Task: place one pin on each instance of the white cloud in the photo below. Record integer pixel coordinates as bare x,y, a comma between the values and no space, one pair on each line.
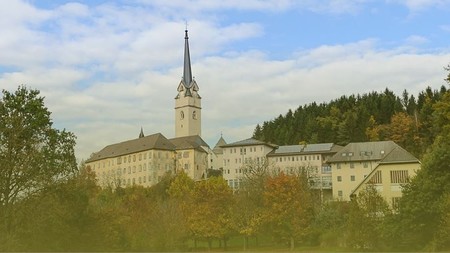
417,5
105,72
416,40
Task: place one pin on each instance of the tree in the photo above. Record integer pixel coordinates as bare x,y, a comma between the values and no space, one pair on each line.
421,210
248,210
331,221
403,130
365,222
209,216
33,154
289,208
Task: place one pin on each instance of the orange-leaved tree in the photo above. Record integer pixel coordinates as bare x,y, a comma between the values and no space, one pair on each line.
289,207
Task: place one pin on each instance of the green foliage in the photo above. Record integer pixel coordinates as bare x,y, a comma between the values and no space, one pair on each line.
330,222
210,210
33,155
365,222
369,117
421,209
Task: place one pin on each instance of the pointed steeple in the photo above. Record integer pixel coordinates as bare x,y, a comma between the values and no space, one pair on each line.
141,134
187,73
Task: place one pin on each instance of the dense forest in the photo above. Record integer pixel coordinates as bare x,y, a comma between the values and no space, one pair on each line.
375,116
49,203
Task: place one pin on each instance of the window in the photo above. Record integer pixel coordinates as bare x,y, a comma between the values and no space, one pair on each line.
129,170
339,178
145,166
340,193
365,164
134,169
140,168
129,158
338,166
399,176
352,178
145,156
376,178
119,160
140,157
352,165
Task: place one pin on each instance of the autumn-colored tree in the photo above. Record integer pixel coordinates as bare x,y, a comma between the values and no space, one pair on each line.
288,207
403,130
210,210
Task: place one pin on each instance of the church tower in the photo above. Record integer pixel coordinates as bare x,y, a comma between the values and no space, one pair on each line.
188,102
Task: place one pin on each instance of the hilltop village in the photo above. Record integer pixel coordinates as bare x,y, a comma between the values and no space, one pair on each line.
337,172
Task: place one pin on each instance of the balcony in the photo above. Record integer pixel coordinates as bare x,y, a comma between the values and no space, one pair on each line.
320,184
326,169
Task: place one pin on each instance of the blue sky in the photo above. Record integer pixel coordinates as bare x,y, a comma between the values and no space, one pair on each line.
107,68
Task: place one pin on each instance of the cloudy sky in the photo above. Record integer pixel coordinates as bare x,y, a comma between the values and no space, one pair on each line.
107,68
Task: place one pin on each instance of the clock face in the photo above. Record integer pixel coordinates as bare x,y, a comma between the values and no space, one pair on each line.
181,115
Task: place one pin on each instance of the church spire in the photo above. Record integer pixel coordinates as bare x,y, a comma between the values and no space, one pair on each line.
187,73
141,134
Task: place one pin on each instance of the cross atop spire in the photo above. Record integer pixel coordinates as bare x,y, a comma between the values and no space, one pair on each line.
187,72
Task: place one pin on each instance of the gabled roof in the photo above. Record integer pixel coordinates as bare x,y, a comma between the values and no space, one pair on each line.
364,151
189,142
217,149
248,142
399,155
154,141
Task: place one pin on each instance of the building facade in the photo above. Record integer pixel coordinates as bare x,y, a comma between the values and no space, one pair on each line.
143,161
240,156
311,159
338,172
360,164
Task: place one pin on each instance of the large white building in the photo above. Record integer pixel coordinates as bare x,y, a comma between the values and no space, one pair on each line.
338,172
238,156
144,160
